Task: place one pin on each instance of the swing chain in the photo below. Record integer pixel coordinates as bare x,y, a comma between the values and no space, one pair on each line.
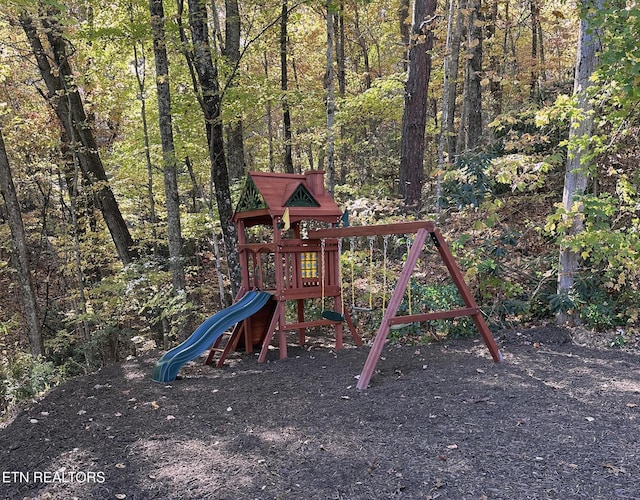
352,241
385,245
340,275
408,240
370,272
322,265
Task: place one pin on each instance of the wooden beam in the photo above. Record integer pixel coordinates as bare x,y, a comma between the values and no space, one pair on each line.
417,318
376,230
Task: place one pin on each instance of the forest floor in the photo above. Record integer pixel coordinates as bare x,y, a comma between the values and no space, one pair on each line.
558,419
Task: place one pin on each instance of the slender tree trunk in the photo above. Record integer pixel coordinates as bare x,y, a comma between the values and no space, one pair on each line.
415,103
331,105
473,106
495,72
342,85
66,101
446,103
211,107
454,68
536,28
81,305
284,85
235,129
140,70
576,174
269,117
19,238
364,47
170,162
405,29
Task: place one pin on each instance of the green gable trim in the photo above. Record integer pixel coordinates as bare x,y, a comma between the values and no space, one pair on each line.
301,197
251,199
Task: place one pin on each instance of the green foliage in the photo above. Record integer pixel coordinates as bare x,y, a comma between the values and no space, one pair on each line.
519,172
24,378
607,292
619,71
468,183
434,297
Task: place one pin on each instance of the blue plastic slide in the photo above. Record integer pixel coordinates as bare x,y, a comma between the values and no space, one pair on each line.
206,334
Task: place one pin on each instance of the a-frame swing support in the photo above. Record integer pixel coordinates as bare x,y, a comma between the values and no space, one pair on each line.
422,230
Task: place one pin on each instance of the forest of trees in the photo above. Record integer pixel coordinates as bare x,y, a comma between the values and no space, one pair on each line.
126,128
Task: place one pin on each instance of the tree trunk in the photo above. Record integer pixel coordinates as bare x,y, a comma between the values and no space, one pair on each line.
66,101
576,174
473,105
286,113
170,162
364,47
415,103
495,64
331,105
443,153
342,86
211,107
405,29
268,117
536,33
235,129
19,238
454,68
140,70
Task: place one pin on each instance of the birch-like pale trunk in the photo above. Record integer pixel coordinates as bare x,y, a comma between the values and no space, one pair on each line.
576,173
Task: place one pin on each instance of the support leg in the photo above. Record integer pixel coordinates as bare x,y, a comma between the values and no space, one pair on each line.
466,295
275,321
392,309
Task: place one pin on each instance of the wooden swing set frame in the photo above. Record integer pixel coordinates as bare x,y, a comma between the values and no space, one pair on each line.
422,230
308,267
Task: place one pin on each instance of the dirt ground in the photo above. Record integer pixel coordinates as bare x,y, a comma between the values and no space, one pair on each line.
557,419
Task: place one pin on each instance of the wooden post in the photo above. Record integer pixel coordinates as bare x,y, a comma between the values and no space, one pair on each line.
392,309
466,295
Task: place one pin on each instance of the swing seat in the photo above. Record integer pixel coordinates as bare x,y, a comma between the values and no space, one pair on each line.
332,315
400,326
362,309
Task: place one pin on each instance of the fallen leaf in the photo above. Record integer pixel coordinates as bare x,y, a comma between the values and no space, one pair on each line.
154,405
613,469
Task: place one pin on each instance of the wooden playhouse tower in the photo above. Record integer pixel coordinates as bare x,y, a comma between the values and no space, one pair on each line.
273,216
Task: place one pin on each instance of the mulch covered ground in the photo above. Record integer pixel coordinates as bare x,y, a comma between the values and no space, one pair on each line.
555,420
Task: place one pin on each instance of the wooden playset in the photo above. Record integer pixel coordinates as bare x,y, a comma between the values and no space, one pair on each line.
289,245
